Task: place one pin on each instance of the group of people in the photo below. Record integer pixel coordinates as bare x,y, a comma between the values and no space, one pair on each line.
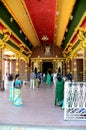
16,93
59,81
35,79
59,90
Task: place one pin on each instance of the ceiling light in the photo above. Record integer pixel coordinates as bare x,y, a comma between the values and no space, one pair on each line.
25,38
11,19
66,29
20,31
45,38
57,13
71,17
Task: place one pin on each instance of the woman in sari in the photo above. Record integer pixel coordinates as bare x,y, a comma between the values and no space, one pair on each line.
17,91
59,91
48,79
66,84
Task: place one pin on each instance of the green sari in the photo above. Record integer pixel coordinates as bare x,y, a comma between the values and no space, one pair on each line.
48,80
59,92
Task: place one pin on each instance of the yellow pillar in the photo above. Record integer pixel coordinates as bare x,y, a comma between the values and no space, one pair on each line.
17,64
74,66
26,70
84,65
64,68
54,65
8,66
2,44
67,66
0,68
40,65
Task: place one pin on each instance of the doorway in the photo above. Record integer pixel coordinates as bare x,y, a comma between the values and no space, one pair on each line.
47,66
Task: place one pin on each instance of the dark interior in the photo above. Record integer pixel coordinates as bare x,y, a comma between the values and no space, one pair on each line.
47,66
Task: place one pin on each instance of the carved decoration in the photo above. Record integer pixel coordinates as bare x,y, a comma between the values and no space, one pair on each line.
47,50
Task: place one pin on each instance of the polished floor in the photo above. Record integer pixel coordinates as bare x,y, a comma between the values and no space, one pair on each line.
38,109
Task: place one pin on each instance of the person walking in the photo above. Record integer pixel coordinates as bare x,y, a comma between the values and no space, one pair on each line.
17,100
48,79
59,91
32,80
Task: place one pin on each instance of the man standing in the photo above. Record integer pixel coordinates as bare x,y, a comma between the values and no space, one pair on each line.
32,79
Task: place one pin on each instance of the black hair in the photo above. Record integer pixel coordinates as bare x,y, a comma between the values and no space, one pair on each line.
69,77
59,77
16,76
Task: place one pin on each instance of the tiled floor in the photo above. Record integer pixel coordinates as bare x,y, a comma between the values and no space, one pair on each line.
38,109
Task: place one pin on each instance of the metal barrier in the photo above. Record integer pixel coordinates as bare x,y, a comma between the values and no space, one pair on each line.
75,101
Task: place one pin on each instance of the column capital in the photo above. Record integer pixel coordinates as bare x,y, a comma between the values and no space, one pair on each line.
2,44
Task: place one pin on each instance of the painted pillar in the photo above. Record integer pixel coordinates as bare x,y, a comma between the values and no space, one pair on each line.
1,70
17,64
54,65
32,65
40,65
8,66
72,65
26,70
74,62
1,77
64,68
84,65
67,66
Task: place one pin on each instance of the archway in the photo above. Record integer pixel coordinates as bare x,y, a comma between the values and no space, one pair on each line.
46,66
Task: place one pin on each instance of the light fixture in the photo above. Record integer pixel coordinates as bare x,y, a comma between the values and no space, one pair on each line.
71,17
45,38
66,29
11,19
25,38
57,13
20,31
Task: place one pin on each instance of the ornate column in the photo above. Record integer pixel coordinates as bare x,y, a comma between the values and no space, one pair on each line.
74,66
64,68
32,64
84,64
1,69
54,65
82,38
6,36
2,45
17,64
26,70
40,65
67,66
8,66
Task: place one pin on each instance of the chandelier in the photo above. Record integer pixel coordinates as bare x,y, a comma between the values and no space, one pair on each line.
45,38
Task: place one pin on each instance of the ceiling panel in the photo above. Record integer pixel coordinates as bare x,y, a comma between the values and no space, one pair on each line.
43,13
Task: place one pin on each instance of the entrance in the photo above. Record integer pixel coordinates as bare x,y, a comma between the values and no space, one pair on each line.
46,66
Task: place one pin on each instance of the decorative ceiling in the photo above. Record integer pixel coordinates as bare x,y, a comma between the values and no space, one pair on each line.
39,22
